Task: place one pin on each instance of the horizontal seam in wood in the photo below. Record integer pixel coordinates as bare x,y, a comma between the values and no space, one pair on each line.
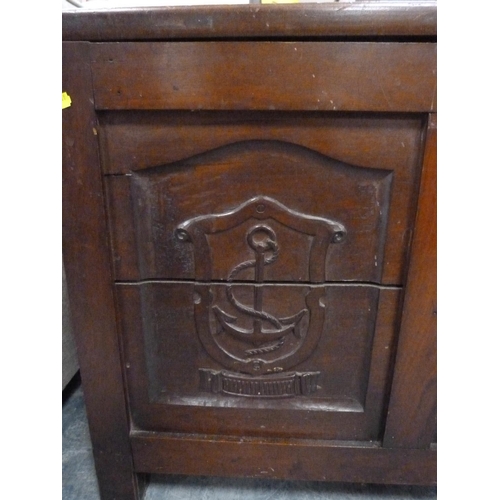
267,283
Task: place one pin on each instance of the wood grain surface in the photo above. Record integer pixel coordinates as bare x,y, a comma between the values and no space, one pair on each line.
163,355
231,157
90,285
306,460
395,19
336,76
411,420
319,117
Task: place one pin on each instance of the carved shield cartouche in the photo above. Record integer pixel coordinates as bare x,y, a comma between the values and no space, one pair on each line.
258,356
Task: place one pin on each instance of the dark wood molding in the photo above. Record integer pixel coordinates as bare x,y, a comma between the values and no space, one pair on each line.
336,20
90,289
241,76
311,460
411,419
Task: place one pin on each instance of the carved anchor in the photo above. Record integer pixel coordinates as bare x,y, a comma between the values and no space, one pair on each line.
267,349
262,240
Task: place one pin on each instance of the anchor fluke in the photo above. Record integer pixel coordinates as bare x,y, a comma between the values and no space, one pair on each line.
256,338
295,320
290,324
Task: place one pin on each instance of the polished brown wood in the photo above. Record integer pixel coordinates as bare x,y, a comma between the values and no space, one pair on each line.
307,460
353,357
336,20
250,240
239,75
353,159
89,280
411,420
132,140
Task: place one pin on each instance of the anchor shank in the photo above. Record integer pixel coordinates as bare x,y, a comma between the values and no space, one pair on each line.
258,291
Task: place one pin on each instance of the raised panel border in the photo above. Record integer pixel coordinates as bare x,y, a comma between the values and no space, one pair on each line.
411,419
342,420
90,286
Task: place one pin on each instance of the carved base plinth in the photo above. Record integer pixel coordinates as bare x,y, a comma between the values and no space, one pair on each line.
284,385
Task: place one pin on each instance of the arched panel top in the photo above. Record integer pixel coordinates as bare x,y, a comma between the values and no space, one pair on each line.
303,197
132,141
264,154
361,171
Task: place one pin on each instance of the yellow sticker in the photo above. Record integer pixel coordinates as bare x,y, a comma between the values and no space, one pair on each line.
66,100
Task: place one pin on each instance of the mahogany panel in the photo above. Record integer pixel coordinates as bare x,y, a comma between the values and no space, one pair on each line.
411,420
341,76
282,459
227,179
245,178
168,357
135,140
360,19
90,286
122,230
153,202
131,141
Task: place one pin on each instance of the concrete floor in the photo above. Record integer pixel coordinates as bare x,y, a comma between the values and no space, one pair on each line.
79,481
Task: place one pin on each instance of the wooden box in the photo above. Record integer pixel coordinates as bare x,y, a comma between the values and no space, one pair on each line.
249,240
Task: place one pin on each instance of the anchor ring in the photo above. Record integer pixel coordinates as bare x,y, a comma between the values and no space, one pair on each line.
258,245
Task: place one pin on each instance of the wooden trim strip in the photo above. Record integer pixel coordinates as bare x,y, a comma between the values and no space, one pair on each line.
281,459
336,20
306,76
411,420
90,286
